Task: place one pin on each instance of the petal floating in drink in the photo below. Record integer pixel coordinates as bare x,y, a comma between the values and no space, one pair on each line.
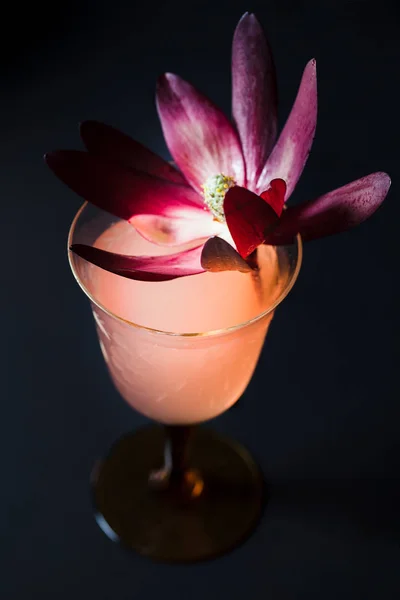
144,268
218,255
165,231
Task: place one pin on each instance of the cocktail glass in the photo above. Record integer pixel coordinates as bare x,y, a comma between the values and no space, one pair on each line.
175,491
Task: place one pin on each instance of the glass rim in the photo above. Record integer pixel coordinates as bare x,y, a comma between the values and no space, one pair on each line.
211,333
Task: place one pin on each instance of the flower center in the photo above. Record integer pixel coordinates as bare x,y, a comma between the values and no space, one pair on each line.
214,190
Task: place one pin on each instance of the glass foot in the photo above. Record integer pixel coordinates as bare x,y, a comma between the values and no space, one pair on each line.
164,525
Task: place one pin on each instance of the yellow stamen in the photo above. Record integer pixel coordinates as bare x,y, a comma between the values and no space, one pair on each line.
214,190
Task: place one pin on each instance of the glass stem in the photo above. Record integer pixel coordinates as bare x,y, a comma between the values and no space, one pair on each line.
176,477
176,451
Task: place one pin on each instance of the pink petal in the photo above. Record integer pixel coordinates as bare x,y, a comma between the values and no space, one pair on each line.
218,255
200,138
249,218
165,231
144,268
291,151
333,212
120,191
116,146
254,95
275,195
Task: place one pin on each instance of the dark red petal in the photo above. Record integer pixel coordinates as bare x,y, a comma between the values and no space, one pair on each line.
199,136
290,153
249,218
218,255
120,191
254,95
105,141
275,195
333,212
144,268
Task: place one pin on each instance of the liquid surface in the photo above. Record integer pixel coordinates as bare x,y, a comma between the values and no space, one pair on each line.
198,303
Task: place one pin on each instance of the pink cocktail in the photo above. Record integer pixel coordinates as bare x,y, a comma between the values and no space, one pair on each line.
180,352
181,378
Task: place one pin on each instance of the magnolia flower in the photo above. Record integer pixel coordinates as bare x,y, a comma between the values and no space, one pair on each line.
226,196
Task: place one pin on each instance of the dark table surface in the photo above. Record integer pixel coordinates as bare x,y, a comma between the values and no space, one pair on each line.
327,433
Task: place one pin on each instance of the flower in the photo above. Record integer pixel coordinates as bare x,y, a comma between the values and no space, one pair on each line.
228,195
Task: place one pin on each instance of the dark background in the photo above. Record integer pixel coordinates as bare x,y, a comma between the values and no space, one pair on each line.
328,435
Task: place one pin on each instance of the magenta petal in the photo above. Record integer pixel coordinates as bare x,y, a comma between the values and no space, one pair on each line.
105,141
200,138
218,255
333,212
120,191
249,218
144,268
165,231
291,151
254,95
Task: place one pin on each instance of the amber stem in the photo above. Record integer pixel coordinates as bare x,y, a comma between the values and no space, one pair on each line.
176,477
176,451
